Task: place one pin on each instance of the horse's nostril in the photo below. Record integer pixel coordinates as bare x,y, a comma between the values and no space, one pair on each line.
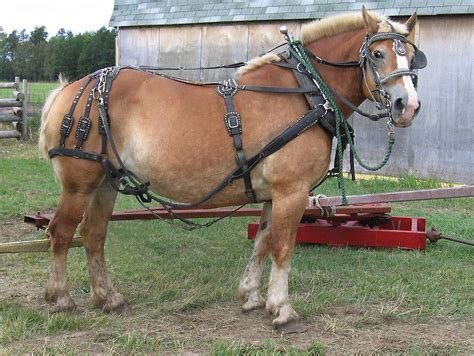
399,105
418,108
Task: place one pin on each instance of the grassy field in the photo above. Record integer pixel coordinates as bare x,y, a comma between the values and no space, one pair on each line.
182,285
38,92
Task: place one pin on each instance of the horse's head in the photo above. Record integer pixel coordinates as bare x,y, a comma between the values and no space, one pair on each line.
388,58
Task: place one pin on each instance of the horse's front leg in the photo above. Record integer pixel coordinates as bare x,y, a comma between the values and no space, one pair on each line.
287,211
93,231
249,288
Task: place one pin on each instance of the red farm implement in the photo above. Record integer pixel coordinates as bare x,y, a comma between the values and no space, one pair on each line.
363,223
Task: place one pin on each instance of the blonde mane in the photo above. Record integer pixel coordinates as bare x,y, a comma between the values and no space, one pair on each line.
335,25
328,27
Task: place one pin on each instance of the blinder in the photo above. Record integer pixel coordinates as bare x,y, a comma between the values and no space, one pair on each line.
419,59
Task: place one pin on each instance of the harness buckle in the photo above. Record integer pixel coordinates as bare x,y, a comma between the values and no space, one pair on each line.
327,106
228,88
233,123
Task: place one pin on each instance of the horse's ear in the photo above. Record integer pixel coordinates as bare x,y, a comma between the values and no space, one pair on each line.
410,24
371,23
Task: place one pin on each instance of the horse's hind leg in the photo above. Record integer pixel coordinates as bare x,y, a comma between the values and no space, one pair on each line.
93,230
287,211
61,228
249,288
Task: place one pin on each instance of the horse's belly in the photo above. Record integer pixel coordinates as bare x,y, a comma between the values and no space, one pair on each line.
186,175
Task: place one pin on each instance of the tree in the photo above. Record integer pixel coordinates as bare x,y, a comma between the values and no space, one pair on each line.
35,57
38,35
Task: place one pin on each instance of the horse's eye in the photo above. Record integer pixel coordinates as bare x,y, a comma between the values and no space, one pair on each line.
378,54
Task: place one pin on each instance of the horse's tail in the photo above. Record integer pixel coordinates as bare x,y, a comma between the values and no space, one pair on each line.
63,82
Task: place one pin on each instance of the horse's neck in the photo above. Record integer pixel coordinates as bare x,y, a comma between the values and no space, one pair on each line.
345,81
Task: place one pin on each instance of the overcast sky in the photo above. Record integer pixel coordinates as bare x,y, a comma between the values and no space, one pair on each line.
74,15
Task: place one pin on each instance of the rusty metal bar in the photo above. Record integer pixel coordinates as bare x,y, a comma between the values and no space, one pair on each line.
392,197
434,236
42,220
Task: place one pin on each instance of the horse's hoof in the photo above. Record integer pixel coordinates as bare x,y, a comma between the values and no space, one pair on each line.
250,305
64,305
292,327
121,309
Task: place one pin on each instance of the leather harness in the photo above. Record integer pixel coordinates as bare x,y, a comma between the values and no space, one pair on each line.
320,113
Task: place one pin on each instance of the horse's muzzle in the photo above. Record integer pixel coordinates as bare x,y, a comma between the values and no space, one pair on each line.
403,112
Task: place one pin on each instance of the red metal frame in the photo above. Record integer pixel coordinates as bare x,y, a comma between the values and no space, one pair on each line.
331,225
344,228
403,232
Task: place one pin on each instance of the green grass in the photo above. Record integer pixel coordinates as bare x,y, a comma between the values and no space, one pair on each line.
20,322
39,91
163,271
268,347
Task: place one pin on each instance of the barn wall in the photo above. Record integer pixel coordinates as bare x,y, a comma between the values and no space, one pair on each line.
198,46
440,142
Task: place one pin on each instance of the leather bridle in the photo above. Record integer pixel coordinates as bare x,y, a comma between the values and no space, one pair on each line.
367,60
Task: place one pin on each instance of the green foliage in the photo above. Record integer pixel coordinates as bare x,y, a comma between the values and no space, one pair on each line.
35,58
135,342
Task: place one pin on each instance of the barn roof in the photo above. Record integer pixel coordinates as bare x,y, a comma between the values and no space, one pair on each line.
174,12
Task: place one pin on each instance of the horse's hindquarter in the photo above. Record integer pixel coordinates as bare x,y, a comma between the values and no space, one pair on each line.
173,135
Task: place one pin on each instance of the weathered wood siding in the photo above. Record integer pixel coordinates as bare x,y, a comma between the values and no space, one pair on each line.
439,144
198,46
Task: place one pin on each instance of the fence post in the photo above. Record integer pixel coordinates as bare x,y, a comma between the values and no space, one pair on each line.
19,113
24,115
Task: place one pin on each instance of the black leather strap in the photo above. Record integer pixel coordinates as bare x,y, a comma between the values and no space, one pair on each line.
74,153
328,122
84,124
68,120
233,124
306,121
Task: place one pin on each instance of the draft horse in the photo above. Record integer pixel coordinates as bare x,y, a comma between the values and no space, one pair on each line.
172,135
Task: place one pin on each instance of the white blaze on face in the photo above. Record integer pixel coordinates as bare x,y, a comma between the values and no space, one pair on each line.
412,104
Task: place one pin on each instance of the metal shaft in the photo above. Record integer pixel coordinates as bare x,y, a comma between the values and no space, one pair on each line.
426,194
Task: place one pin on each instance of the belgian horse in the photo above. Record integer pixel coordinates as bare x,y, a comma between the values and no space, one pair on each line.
172,134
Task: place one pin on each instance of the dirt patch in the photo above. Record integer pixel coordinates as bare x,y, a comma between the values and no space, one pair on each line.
341,330
344,329
14,230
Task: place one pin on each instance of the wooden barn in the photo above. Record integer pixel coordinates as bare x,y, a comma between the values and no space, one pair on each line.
199,33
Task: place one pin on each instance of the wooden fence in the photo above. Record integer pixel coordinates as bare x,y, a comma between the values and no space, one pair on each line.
17,116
